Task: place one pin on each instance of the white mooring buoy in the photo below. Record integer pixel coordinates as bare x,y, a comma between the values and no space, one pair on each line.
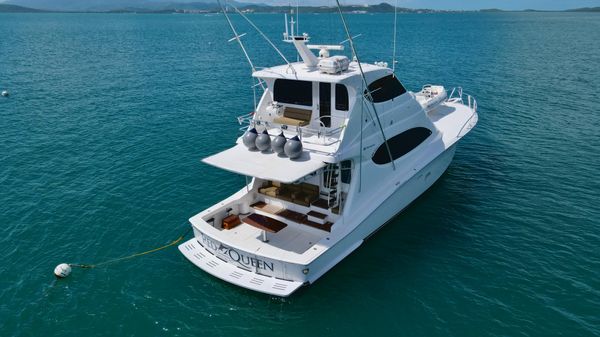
5,93
62,270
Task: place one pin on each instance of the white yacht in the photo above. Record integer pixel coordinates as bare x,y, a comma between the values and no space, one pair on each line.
334,150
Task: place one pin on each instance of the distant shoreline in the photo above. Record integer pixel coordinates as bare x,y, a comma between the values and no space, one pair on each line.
351,9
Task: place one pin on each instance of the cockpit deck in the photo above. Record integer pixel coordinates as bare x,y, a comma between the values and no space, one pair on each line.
295,237
270,224
274,218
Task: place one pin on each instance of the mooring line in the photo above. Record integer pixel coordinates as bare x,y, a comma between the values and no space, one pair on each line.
172,243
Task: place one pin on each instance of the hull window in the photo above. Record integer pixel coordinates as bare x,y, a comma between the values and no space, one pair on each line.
385,89
401,144
293,92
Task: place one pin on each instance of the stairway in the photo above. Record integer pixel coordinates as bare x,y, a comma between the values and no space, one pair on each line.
331,184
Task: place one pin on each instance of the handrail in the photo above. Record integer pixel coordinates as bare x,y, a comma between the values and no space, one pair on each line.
245,120
471,103
322,132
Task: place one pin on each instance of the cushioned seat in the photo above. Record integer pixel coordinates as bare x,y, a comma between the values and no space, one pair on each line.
290,121
302,194
294,116
270,191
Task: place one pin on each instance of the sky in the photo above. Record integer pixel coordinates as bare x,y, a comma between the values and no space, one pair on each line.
455,4
430,4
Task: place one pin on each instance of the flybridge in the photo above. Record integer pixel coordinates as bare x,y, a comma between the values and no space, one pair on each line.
326,64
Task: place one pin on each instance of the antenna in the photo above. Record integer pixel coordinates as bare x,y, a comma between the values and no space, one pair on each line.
287,33
265,37
364,80
395,25
292,23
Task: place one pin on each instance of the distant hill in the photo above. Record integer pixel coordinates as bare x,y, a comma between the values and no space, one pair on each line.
200,6
585,9
166,6
5,8
115,5
359,9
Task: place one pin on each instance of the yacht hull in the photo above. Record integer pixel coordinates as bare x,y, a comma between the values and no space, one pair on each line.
203,256
399,200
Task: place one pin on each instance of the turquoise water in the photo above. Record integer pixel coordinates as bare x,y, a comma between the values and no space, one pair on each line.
110,114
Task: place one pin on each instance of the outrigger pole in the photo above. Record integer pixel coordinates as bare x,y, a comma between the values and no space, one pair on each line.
237,38
395,26
362,74
265,37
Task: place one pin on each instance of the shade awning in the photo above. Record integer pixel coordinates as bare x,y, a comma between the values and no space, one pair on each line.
270,166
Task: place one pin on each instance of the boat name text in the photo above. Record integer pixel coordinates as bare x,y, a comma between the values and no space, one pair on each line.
234,255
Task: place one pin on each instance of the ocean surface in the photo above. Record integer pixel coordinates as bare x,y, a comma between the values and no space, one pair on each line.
110,114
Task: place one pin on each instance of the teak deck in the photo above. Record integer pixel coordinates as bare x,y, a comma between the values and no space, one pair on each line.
292,215
264,222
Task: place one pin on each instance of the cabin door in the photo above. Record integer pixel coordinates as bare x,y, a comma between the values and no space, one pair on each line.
325,103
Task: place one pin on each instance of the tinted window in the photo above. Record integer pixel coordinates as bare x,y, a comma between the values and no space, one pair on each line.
325,103
386,88
293,92
401,144
346,171
341,97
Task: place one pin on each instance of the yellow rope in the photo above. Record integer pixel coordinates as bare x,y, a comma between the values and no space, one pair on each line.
131,256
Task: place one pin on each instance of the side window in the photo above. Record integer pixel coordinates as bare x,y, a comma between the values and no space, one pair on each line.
386,88
293,92
401,144
346,171
341,97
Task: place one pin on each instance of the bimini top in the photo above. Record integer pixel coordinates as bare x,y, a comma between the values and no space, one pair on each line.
270,166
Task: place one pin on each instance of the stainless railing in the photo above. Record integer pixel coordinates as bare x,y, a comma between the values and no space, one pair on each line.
458,96
325,135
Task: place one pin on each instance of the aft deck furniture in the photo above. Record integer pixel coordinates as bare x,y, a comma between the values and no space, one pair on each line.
303,219
294,116
302,194
317,217
264,223
321,203
270,188
231,221
293,215
269,208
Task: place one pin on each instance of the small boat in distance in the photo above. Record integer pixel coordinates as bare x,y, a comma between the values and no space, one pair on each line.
334,149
